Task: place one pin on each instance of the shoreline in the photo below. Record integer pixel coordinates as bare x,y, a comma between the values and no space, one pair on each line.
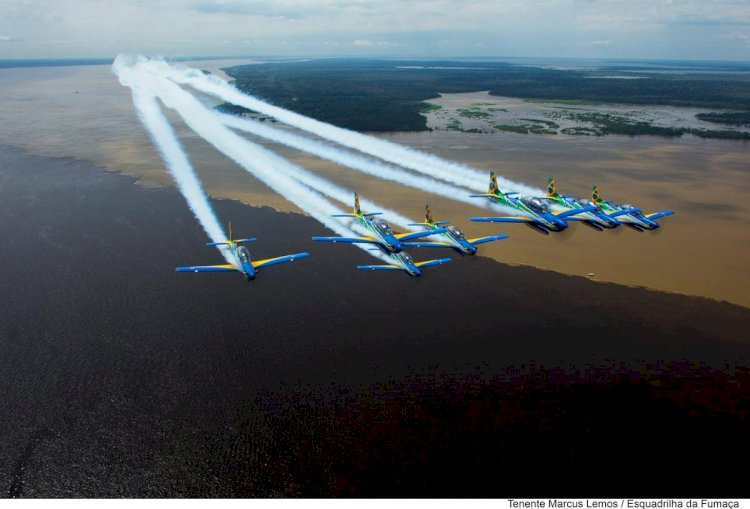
125,378
686,175
145,183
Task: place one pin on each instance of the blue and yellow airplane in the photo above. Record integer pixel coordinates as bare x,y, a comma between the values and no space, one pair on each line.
454,237
403,261
242,262
630,216
383,236
596,219
533,212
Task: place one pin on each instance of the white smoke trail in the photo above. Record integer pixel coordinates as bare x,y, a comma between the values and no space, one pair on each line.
177,162
416,160
254,157
257,162
353,160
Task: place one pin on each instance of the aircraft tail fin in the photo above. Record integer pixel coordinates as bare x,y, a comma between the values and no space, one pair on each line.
493,184
357,208
428,214
551,188
429,220
595,196
237,241
230,239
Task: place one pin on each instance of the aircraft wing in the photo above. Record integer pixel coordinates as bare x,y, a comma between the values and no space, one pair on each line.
618,213
208,268
507,219
482,240
238,241
379,267
488,195
573,212
427,244
281,259
430,263
416,235
354,240
657,215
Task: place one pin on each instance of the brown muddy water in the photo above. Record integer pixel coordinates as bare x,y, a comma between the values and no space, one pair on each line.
83,112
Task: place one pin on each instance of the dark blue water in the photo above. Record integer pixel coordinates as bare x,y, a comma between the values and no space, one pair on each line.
122,378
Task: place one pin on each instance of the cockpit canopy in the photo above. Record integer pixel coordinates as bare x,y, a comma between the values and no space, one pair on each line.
383,226
536,205
407,257
456,232
635,210
243,255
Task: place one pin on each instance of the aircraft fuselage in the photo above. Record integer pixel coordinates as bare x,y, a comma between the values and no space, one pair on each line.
594,218
544,221
405,260
383,234
243,261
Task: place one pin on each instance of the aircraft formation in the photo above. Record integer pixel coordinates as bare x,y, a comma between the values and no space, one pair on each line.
535,212
157,85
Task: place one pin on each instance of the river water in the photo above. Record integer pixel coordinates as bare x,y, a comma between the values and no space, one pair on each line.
83,112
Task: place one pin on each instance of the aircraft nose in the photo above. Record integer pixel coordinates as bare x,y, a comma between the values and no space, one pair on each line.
249,270
396,244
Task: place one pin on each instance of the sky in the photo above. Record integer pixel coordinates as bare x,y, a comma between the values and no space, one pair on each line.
638,29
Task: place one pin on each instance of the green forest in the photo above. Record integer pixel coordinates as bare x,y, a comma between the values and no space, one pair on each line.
387,95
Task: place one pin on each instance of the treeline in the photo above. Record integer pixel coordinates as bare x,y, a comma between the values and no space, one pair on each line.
386,95
741,118
364,95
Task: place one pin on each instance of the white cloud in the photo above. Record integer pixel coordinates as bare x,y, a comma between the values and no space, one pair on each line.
367,42
573,28
738,36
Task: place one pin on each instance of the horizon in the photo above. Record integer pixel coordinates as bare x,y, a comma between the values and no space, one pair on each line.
499,59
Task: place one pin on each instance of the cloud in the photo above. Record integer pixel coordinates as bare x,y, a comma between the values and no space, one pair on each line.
250,8
480,28
367,42
738,36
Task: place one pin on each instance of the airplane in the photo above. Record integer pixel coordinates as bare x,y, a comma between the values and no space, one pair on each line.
595,219
454,237
242,262
535,214
404,261
383,236
631,216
